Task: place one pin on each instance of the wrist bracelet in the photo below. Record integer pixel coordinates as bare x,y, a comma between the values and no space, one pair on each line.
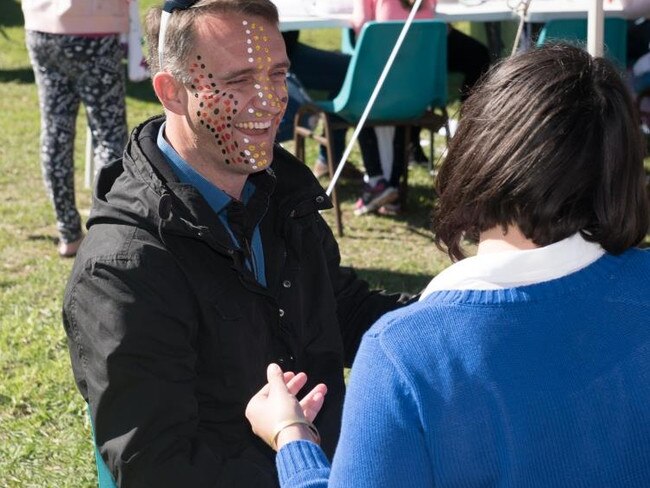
288,423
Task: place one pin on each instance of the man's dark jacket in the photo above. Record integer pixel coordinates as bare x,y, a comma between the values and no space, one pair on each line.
170,333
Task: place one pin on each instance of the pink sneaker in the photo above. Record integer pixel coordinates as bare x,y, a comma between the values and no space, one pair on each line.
374,197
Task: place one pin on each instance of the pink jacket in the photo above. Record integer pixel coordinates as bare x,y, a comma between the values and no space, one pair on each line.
77,16
367,10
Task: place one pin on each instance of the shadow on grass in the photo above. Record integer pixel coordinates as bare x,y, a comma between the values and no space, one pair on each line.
12,15
20,75
43,237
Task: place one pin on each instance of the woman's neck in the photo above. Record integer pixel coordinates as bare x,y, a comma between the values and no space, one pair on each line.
498,240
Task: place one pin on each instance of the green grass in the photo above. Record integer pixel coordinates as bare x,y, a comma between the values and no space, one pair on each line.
44,433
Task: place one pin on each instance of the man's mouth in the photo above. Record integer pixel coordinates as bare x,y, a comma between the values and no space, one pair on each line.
256,127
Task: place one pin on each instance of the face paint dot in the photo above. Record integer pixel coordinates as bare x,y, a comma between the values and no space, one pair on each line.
230,96
245,22
264,103
246,140
250,111
248,31
252,160
247,152
250,60
250,50
199,58
260,94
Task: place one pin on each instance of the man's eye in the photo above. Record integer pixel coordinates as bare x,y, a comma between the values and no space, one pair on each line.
279,75
237,81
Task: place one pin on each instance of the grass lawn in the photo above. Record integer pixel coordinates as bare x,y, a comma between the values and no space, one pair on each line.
44,432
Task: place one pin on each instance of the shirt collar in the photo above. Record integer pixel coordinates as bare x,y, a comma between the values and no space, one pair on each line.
216,198
509,269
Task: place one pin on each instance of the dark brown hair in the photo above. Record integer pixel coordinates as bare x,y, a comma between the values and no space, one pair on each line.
550,142
180,38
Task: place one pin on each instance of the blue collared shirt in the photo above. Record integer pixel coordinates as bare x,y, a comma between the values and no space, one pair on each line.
218,201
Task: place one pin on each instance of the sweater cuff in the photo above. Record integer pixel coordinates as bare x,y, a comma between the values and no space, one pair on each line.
303,459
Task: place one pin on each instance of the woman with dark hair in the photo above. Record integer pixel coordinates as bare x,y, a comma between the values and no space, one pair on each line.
529,363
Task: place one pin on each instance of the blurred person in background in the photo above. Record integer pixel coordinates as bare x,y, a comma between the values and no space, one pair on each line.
74,47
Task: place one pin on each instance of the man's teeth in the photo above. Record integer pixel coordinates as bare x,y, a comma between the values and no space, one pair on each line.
253,125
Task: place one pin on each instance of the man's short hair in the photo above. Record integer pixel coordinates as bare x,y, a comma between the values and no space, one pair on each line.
180,38
550,141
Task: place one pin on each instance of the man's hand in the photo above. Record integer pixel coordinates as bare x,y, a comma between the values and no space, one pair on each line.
275,414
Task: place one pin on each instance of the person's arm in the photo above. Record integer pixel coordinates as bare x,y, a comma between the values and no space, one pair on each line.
363,11
132,329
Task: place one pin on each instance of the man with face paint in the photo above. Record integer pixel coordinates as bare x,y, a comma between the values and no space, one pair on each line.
206,259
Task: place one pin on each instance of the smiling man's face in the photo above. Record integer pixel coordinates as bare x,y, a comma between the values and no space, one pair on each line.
238,92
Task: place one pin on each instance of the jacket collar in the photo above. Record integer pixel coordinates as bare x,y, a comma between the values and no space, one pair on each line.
141,189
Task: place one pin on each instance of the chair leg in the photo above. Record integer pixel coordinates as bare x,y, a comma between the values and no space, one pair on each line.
298,138
330,163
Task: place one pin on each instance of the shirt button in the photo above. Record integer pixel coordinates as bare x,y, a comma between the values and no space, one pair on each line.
320,199
281,312
286,284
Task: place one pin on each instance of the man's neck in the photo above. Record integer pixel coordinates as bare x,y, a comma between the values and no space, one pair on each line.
498,240
186,146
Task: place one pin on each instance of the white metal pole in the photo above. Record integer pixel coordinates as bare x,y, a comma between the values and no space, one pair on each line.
595,28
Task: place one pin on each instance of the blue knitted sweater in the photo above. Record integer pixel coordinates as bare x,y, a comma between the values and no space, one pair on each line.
543,385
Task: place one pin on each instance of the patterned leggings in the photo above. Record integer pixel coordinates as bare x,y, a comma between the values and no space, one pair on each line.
69,70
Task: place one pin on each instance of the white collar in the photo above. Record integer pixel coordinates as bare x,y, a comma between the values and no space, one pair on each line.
509,269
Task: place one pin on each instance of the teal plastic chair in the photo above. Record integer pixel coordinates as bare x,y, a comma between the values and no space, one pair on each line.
414,87
575,30
104,477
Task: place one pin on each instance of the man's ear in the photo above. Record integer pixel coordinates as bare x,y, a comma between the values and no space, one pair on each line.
170,92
